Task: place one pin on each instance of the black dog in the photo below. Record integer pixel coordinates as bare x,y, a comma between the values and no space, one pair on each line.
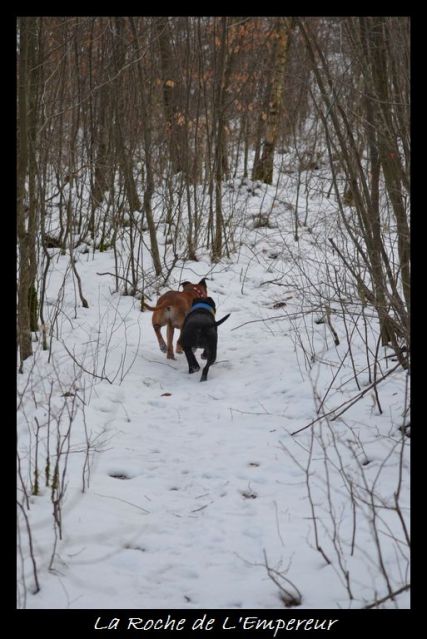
200,331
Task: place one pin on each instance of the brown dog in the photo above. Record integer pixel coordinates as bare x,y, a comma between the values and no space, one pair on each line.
170,311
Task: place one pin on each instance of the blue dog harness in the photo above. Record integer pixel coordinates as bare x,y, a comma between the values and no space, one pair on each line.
201,305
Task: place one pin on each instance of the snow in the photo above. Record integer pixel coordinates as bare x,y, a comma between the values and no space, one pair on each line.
191,487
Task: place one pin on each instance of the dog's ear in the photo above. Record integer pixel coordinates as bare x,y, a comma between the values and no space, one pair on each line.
184,284
209,300
203,283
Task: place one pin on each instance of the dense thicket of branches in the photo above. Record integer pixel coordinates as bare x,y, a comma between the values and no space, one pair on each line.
113,110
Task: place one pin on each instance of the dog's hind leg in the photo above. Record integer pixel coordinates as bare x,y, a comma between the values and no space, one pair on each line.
205,372
179,348
211,357
193,365
162,343
170,330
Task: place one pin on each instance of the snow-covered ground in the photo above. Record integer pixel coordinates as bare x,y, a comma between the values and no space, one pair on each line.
190,489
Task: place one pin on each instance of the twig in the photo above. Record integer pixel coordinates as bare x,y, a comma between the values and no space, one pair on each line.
349,402
124,501
392,595
83,368
267,319
137,290
329,323
288,597
79,284
30,542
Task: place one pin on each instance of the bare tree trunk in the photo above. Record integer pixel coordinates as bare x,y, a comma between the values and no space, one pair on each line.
375,166
389,151
26,209
170,79
219,143
263,170
149,179
125,160
102,134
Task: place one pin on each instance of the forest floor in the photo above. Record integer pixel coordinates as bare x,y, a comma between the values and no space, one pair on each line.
193,493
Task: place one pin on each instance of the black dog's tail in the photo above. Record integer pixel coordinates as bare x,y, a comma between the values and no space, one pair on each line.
222,320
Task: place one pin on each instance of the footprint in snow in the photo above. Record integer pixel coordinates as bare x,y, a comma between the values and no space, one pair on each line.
104,406
118,474
248,494
118,397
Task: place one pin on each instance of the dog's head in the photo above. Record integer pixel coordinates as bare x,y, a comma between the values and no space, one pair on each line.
198,290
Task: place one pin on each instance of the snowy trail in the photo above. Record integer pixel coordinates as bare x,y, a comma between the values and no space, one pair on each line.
197,462
192,485
183,498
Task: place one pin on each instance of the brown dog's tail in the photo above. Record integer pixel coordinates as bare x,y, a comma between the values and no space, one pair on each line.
160,307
